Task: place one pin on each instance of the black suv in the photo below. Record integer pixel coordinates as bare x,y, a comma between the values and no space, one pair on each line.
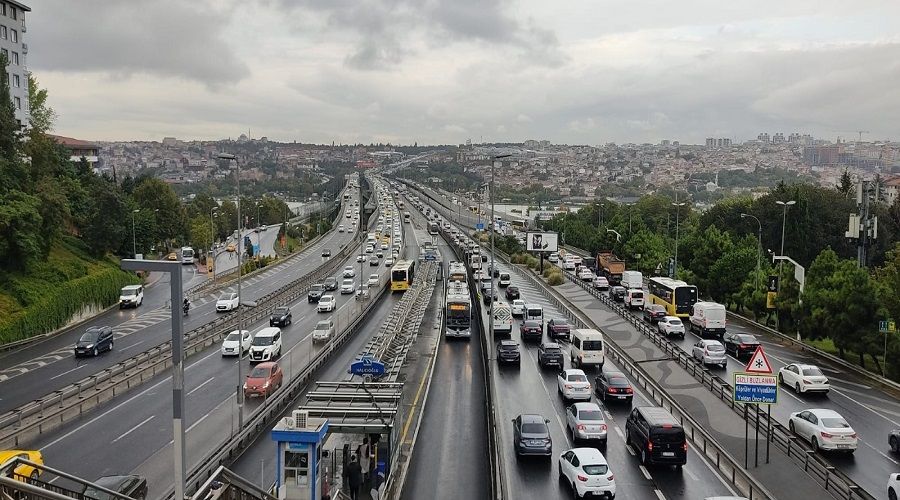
330,283
653,313
512,292
657,436
315,292
95,340
617,293
550,353
613,385
508,352
531,436
486,295
281,316
531,330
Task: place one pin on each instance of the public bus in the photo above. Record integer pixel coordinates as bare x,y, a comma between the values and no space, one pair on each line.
433,228
457,272
675,295
402,275
187,255
458,310
519,224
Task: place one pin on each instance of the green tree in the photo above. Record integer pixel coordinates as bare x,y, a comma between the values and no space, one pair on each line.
104,230
652,249
201,234
41,114
155,195
20,224
727,275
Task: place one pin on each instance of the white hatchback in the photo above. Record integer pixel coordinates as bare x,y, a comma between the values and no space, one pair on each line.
236,344
326,303
586,471
573,384
518,307
227,302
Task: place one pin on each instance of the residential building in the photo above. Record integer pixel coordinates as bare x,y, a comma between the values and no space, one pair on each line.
79,149
13,46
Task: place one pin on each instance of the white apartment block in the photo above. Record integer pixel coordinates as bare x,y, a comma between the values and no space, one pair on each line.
12,44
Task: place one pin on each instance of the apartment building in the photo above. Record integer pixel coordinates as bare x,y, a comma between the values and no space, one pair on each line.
13,46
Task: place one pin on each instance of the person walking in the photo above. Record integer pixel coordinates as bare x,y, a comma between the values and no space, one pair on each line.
364,452
354,477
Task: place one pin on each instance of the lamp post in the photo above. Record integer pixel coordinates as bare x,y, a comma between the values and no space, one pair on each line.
677,213
493,262
133,235
784,206
240,315
212,237
258,226
759,245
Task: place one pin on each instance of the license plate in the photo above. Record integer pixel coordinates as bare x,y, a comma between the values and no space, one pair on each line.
843,446
668,454
621,397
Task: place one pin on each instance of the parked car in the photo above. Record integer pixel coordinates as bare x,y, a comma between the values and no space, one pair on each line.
617,293
508,352
585,421
315,292
326,303
803,378
824,429
600,283
330,283
324,330
23,471
228,301
740,344
550,353
326,252
654,312
670,326
518,307
613,386
573,384
281,316
264,379
710,352
558,328
530,330
512,292
657,436
94,340
131,296
236,340
587,472
531,436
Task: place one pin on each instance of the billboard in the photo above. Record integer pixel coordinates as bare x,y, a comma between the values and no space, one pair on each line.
542,242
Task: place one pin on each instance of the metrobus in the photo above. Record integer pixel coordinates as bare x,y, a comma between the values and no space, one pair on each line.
433,228
675,295
458,310
187,255
402,275
457,272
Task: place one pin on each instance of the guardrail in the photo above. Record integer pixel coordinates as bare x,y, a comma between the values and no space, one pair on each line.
52,410
812,463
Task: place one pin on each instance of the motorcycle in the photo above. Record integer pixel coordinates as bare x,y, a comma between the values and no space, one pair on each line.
185,307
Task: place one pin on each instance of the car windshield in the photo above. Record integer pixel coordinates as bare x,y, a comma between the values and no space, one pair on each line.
560,322
595,415
532,324
280,311
317,288
225,296
577,377
323,325
129,292
534,428
747,339
675,322
507,347
835,423
233,337
812,371
259,372
263,340
592,345
89,336
552,350
595,470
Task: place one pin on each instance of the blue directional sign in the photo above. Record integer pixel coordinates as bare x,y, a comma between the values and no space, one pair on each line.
479,226
367,366
754,388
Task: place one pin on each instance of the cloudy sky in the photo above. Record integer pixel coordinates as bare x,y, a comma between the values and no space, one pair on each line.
432,71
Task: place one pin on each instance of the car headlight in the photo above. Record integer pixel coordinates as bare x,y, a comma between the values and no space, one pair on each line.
266,385
89,346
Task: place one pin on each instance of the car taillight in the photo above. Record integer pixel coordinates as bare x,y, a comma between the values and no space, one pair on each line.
742,346
684,446
611,390
603,427
581,427
568,386
629,390
852,435
582,478
649,445
610,477
826,435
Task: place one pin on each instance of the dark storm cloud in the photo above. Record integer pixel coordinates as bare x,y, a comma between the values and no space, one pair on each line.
185,39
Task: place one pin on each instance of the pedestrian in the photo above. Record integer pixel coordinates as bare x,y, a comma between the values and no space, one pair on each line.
364,452
377,486
354,477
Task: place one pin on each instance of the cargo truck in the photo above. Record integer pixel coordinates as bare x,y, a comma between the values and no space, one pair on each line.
610,266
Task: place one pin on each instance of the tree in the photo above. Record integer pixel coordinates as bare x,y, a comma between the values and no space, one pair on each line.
846,185
41,114
728,273
652,249
20,224
201,235
105,230
154,194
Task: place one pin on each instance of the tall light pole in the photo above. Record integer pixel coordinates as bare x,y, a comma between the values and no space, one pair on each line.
133,235
212,236
759,245
493,262
677,214
258,226
240,314
784,206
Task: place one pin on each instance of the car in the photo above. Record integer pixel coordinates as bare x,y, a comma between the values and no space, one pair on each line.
670,326
235,341
326,252
613,385
129,485
94,340
656,436
228,301
518,307
569,264
370,249
617,293
504,280
315,292
23,471
803,378
587,472
531,436
341,227
654,312
508,352
558,328
577,259
823,429
348,286
131,296
324,330
487,296
230,247
373,280
530,330
281,316
550,353
326,303
740,344
172,256
388,262
374,262
893,486
600,283
379,254
264,379
266,345
511,292
553,258
585,274
362,257
710,352
585,422
330,283
349,272
573,384
894,440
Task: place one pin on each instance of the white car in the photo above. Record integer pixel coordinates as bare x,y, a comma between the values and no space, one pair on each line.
362,258
384,246
670,326
227,302
893,486
388,262
573,384
369,249
585,274
348,286
590,475
803,378
553,258
824,429
586,421
600,283
236,340
349,272
341,228
577,260
710,352
326,303
373,280
569,265
266,345
324,330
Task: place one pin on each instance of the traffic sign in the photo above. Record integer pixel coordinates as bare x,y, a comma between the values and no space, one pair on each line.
754,388
887,326
758,363
479,226
368,365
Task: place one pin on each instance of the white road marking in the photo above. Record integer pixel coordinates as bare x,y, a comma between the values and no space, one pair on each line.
871,409
129,431
630,449
132,345
67,372
861,386
690,473
619,432
195,424
645,473
200,386
659,495
880,452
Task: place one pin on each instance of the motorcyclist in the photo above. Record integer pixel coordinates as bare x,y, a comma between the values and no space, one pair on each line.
186,305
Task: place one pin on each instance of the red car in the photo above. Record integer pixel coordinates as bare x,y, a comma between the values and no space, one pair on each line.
558,328
263,380
531,330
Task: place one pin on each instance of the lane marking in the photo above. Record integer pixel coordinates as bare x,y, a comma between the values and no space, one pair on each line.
129,431
195,389
195,424
879,452
645,473
871,409
67,372
132,345
659,495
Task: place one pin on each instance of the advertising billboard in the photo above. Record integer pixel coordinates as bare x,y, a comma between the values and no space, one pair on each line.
542,242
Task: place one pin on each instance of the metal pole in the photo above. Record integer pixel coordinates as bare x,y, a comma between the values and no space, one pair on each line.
768,430
756,439
884,358
133,236
493,262
746,439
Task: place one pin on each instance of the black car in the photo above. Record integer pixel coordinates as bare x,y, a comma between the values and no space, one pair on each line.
550,353
531,436
613,386
894,440
486,295
330,283
617,293
740,344
508,352
653,313
652,424
512,292
315,292
131,486
558,328
531,330
95,340
281,316
326,252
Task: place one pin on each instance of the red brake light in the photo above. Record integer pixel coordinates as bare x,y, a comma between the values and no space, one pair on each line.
667,426
827,435
611,389
743,346
603,427
582,478
581,427
684,446
650,446
629,390
610,477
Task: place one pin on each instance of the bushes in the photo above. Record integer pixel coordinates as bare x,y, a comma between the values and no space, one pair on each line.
257,263
556,278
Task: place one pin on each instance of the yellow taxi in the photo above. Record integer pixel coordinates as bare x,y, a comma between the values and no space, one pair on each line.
23,470
172,256
230,247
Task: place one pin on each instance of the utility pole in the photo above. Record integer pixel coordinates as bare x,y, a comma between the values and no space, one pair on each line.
677,214
785,205
864,227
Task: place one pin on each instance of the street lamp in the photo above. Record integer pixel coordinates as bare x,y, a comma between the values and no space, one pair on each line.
212,236
493,263
677,213
133,234
784,206
759,244
258,225
240,315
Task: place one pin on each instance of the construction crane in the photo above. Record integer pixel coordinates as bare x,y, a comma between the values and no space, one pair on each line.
861,132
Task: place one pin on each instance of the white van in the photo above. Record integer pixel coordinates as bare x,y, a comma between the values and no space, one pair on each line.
588,348
266,345
634,298
632,279
131,296
707,319
534,312
505,280
503,320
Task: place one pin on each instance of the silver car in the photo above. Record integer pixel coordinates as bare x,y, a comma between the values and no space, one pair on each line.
585,421
710,352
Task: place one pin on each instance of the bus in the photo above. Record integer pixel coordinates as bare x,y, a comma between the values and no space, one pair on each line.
187,255
433,228
458,310
402,275
675,295
457,272
406,217
519,224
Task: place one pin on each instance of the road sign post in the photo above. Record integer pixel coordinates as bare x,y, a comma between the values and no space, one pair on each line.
886,327
756,385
